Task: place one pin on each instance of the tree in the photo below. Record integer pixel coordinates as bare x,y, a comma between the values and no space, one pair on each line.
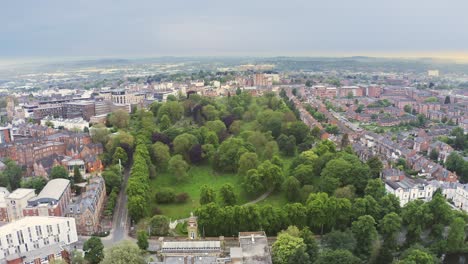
164,123
58,172
312,248
417,255
36,183
447,100
112,178
227,194
299,130
304,173
456,236
120,154
375,166
365,233
12,174
415,217
142,240
159,225
77,178
345,141
210,113
173,109
292,188
178,167
339,256
183,143
340,240
287,144
120,119
93,249
161,155
389,226
124,253
137,207
271,175
228,154
286,246
247,161
375,188
216,126
207,195
271,150
99,134
407,109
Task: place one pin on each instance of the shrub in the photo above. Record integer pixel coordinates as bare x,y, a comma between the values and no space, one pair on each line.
165,195
157,211
182,197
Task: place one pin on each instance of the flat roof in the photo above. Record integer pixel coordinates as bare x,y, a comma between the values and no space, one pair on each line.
182,245
20,193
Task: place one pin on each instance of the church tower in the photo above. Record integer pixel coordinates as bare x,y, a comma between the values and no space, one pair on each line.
192,227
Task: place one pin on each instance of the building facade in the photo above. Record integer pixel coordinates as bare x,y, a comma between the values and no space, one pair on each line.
36,239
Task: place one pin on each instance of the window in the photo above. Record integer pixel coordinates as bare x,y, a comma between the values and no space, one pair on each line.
58,228
68,237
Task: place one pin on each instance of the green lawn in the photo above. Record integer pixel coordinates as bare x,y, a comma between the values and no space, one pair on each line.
199,175
277,199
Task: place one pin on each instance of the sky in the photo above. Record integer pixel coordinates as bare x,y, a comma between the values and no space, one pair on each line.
149,28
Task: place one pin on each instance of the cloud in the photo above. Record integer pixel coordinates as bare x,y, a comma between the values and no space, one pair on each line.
30,28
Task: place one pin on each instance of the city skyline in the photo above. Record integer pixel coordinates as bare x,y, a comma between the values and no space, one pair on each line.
55,29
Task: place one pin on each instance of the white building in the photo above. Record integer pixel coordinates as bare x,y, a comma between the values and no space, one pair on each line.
456,192
69,124
36,239
17,201
408,189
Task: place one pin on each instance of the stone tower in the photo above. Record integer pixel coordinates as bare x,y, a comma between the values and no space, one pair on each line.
192,227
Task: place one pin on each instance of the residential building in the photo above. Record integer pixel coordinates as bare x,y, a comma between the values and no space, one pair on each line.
37,239
87,208
5,135
407,189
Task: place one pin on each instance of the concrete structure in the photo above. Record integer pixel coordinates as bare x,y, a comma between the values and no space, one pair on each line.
36,239
407,189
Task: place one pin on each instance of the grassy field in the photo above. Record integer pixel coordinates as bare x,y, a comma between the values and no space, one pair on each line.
199,175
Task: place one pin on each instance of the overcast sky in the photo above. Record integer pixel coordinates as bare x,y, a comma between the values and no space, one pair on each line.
118,28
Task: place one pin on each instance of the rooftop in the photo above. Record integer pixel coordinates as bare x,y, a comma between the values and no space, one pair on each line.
20,193
53,190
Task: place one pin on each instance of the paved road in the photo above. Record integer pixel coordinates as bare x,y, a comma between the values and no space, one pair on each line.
119,229
120,222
